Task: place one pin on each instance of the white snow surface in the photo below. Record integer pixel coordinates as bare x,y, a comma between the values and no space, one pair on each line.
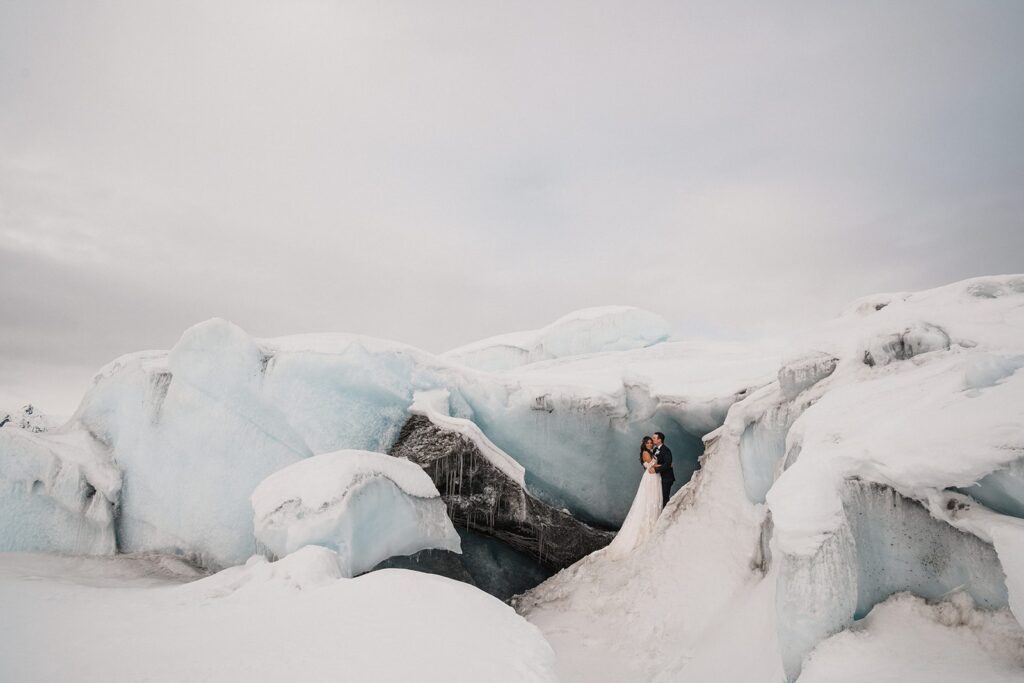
586,331
133,619
365,506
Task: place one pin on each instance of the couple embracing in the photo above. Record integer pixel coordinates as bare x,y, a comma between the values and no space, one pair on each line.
651,496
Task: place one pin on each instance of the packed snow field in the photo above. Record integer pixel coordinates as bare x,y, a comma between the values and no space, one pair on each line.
857,509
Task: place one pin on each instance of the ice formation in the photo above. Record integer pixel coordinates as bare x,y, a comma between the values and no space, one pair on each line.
57,494
365,506
192,431
481,494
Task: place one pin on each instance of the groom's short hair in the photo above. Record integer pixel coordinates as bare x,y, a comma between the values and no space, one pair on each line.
661,437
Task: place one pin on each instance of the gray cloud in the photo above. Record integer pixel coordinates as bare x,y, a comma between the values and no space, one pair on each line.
441,173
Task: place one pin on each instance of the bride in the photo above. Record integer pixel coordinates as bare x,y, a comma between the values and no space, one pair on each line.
646,508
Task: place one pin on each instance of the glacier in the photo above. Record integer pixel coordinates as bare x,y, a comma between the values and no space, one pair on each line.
193,430
834,469
365,506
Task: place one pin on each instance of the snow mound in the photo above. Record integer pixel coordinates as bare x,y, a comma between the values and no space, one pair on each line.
193,433
294,619
366,506
309,567
589,330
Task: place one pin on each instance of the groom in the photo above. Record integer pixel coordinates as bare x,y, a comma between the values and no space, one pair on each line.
664,467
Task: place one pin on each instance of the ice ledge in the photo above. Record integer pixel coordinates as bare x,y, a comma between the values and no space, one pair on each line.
434,405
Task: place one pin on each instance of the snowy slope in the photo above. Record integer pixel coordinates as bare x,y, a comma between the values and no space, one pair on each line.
129,619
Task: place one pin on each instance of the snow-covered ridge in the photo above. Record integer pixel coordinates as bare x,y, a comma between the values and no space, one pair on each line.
589,330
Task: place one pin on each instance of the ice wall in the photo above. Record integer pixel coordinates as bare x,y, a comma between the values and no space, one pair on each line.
579,451
886,545
192,431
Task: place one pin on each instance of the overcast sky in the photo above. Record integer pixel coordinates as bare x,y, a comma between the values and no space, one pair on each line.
438,172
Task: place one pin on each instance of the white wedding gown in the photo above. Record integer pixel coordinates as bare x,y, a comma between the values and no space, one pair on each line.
643,515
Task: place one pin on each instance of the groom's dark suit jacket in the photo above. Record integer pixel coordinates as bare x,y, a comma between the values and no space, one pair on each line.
664,455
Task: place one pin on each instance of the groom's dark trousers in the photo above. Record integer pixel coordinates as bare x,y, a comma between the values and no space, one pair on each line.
668,477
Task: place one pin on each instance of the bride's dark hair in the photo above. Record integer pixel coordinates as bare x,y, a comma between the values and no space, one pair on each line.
643,447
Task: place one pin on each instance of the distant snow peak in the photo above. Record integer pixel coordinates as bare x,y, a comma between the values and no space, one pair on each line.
28,417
